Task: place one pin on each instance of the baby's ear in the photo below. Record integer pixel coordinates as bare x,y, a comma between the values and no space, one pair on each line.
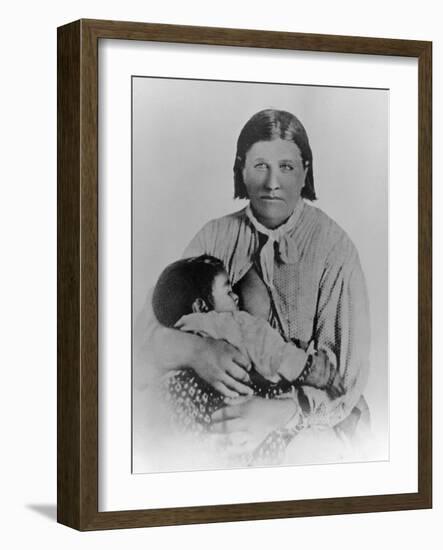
199,306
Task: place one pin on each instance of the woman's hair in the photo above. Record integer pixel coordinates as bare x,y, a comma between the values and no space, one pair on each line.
267,125
183,282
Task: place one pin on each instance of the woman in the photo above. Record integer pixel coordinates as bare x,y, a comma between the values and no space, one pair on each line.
292,265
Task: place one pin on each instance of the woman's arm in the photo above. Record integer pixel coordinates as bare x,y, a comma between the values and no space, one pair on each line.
159,349
342,332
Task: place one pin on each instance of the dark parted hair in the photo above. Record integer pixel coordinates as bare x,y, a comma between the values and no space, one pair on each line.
267,125
181,283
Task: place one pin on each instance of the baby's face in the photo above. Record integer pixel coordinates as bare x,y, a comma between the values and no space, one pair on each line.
223,296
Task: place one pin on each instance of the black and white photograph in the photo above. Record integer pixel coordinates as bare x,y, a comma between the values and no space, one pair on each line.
259,274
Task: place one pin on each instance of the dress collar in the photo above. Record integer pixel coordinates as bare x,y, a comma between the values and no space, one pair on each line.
279,245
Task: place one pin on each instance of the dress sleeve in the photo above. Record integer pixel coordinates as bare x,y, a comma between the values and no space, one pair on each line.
342,331
144,357
146,323
204,241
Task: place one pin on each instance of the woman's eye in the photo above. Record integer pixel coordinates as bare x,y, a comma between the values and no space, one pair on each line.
286,167
260,166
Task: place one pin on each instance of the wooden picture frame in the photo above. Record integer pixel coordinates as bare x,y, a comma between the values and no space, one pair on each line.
77,454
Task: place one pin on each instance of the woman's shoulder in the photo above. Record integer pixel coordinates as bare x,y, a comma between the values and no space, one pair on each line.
223,228
328,232
220,236
229,220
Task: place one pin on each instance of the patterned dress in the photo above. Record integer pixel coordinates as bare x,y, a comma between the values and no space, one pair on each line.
311,288
192,402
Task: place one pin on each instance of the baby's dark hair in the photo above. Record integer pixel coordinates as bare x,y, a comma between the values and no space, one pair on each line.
181,284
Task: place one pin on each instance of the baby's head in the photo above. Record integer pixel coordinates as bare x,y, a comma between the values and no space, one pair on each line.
192,285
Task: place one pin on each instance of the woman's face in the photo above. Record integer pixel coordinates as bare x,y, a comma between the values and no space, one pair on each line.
274,177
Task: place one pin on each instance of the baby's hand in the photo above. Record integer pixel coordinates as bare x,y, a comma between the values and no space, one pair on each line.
323,375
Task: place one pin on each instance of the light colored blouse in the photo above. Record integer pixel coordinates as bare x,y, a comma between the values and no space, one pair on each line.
316,289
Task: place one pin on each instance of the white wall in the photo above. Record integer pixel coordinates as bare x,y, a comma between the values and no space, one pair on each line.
28,277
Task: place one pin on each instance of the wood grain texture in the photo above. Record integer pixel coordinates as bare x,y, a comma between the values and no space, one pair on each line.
89,275
77,172
254,38
425,273
68,276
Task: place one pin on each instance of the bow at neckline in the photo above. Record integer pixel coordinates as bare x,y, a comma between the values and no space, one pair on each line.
279,244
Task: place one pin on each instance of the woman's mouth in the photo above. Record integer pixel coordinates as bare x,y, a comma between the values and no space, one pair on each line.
270,198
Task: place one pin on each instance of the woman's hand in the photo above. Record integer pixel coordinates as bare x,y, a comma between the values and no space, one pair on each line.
223,367
247,421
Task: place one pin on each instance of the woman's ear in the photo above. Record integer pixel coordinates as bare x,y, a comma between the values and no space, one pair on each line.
306,168
305,174
199,306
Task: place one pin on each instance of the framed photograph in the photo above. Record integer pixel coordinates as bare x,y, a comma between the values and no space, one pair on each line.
244,275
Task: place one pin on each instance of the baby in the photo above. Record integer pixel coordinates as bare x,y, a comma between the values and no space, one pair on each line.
195,295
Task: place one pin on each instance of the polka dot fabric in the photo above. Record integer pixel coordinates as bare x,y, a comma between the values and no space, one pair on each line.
192,402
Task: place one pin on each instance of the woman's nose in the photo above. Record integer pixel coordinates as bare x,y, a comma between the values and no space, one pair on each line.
272,180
